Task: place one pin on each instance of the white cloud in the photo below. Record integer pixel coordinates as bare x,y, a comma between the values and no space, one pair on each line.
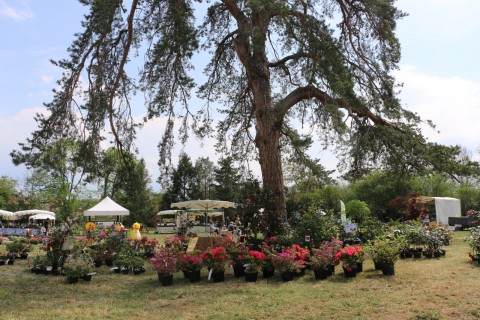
15,129
452,103
46,79
17,14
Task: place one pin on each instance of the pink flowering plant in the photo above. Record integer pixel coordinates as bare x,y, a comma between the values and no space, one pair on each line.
215,258
165,261
287,261
189,262
254,260
175,243
324,256
350,256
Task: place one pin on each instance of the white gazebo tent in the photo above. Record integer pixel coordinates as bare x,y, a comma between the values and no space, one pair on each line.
41,216
447,207
106,207
34,212
8,215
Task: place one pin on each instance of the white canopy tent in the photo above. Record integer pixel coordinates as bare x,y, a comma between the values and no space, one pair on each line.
34,212
106,207
41,216
7,214
447,207
167,212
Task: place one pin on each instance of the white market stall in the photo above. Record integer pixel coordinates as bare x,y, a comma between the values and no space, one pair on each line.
180,215
205,206
168,227
41,216
446,207
106,207
34,212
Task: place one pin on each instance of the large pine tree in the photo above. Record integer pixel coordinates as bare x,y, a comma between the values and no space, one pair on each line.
275,66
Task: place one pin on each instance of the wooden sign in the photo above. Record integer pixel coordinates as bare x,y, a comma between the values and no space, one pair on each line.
191,245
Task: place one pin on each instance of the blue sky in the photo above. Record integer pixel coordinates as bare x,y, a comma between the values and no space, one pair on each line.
439,70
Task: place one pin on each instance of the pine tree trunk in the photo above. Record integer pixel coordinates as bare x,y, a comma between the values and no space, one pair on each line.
268,144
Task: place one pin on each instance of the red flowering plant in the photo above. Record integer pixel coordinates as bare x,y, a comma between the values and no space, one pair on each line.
165,261
53,245
268,249
254,260
238,252
350,256
287,261
215,258
302,254
189,262
324,256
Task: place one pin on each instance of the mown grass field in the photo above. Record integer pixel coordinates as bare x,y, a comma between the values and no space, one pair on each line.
443,288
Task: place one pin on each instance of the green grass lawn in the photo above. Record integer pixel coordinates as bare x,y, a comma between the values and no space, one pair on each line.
443,288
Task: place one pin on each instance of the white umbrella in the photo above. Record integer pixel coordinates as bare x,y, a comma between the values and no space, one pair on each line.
33,212
203,204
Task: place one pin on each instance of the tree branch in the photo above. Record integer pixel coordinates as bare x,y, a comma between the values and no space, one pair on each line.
294,56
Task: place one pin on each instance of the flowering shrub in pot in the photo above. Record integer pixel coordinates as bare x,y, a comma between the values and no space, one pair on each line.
190,264
254,261
350,256
287,261
175,243
268,249
215,258
323,257
165,261
238,254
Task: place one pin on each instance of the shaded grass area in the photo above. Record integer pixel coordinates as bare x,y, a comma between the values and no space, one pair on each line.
444,288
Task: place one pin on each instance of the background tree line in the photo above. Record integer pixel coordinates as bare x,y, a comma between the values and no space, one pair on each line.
68,189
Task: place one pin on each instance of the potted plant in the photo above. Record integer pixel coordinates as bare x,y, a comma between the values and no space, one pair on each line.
19,248
175,243
98,255
165,263
8,257
190,264
323,261
122,261
350,257
287,264
215,259
415,234
268,249
78,265
253,262
238,253
137,263
385,251
149,246
39,264
474,243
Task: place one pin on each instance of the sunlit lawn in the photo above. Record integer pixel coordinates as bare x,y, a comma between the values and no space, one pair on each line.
444,288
